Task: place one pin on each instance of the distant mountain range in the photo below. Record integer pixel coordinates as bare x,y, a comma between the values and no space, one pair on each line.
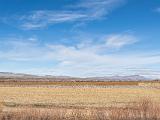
14,75
120,78
67,78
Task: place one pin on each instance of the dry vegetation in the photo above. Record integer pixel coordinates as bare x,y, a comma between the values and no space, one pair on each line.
36,82
151,84
74,96
142,110
79,101
66,83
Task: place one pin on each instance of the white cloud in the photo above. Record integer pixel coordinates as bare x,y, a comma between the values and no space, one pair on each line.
120,40
43,18
97,8
81,11
20,49
158,9
73,60
103,43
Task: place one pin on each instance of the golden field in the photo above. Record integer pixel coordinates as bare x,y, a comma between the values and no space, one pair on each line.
79,101
75,96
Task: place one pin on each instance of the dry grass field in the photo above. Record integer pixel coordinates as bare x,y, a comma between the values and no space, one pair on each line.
98,97
143,110
78,98
65,83
94,96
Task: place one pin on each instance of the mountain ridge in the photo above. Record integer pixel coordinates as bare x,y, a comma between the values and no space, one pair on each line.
105,78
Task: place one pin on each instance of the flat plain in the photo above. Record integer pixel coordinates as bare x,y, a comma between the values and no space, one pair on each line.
79,100
74,94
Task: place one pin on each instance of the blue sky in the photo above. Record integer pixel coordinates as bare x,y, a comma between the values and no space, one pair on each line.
80,38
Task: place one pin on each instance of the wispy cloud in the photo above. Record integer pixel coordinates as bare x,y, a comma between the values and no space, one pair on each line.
78,59
103,43
43,18
157,9
20,49
120,40
81,11
98,8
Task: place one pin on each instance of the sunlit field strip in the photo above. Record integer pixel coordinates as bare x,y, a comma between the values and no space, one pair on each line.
90,97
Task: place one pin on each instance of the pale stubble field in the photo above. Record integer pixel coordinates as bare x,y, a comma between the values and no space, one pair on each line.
74,96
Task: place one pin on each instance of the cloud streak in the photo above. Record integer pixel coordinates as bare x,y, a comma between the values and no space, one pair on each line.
81,11
43,18
79,61
120,40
